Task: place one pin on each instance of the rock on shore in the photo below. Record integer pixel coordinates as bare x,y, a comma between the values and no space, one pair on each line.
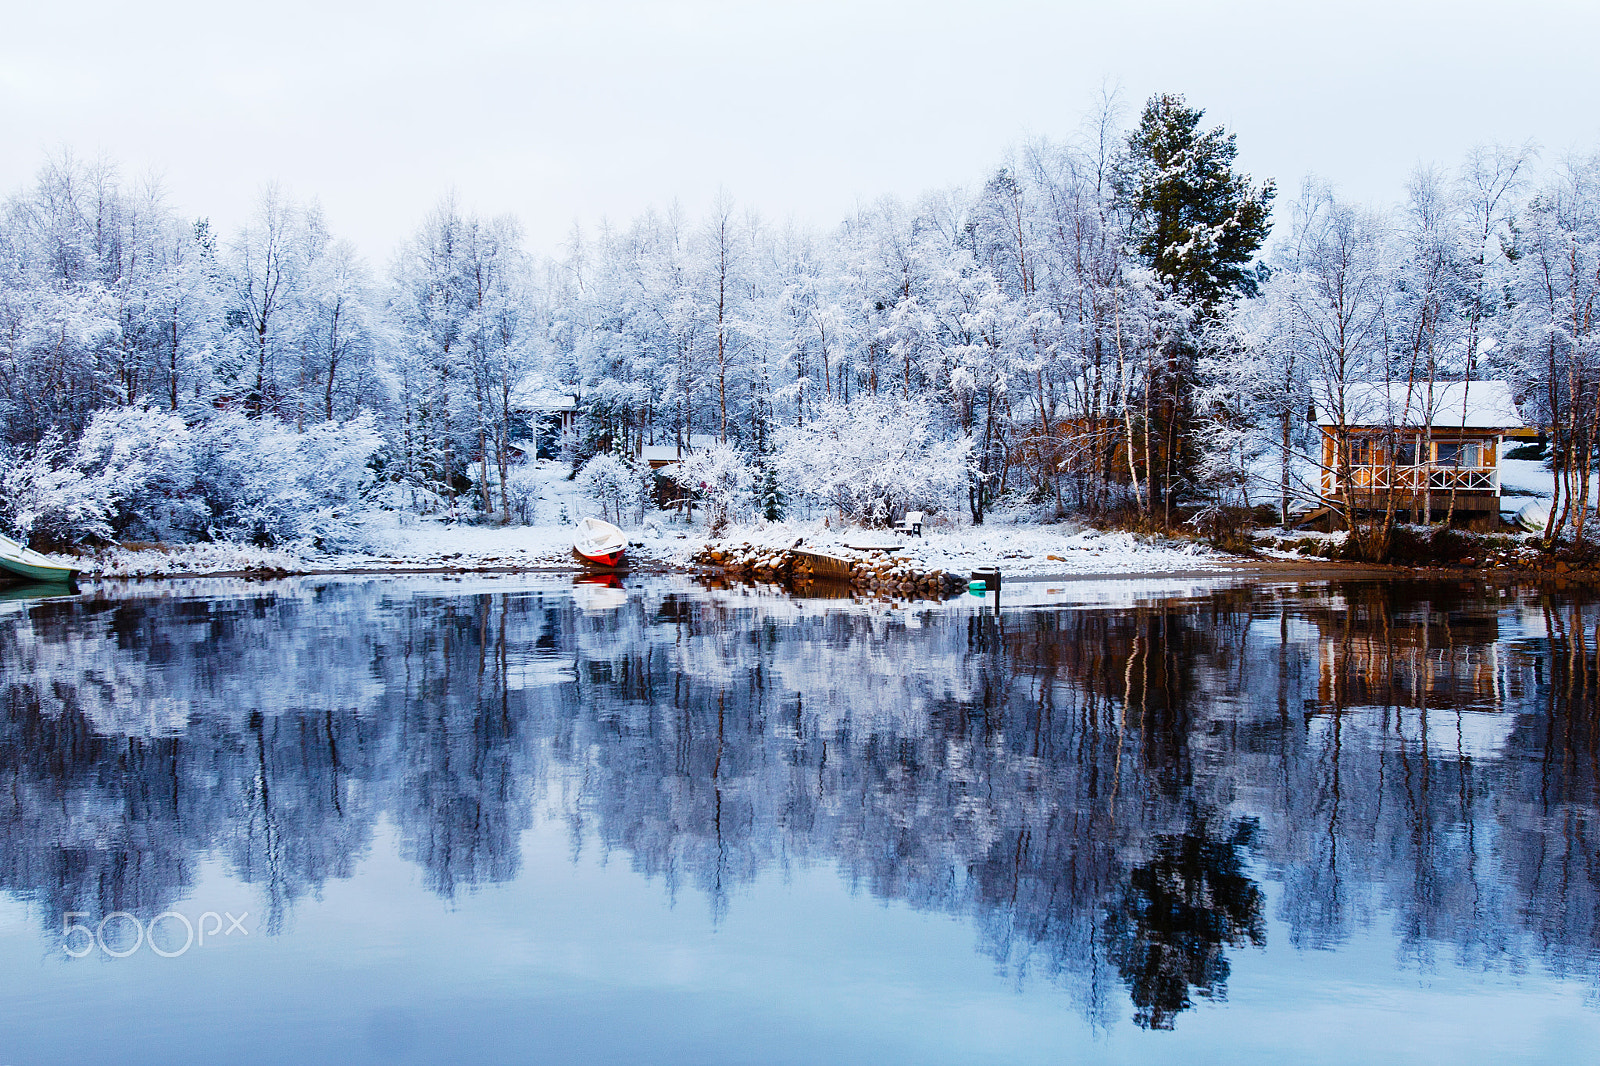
869,570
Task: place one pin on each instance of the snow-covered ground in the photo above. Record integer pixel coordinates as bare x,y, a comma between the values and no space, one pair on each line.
1035,550
1017,549
416,545
1524,478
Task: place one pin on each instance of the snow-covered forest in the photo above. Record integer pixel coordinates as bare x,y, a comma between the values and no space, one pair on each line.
1102,326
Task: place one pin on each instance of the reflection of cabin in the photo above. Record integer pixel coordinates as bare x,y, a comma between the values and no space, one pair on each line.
1422,448
1410,658
1371,671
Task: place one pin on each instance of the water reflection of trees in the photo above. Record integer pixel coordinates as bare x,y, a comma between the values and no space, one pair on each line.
1099,791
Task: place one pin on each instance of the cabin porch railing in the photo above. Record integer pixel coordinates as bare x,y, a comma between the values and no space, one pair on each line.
1413,479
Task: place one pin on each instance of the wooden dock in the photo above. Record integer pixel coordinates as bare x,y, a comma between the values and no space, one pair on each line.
818,566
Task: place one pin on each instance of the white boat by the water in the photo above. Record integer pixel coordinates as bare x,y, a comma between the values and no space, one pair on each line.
21,561
599,543
1534,516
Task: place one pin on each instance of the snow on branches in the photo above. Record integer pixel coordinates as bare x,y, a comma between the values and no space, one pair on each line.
723,476
873,459
617,485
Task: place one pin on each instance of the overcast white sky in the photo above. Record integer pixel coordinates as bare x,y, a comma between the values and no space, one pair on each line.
566,111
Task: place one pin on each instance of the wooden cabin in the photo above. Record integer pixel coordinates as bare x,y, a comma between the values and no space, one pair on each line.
550,416
662,460
1425,449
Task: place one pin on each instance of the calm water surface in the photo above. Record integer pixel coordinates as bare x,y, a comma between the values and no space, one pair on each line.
421,819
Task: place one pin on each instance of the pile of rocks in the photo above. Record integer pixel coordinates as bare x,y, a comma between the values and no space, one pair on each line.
877,572
870,571
762,563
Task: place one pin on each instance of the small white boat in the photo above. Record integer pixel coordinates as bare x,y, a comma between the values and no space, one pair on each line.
599,543
1534,516
22,561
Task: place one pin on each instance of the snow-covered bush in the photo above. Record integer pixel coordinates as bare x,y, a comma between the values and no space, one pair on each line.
522,492
872,459
722,476
616,485
138,473
240,474
334,461
44,498
264,482
127,475
140,458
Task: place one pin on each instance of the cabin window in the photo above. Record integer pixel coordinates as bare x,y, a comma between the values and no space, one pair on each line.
1410,453
1460,454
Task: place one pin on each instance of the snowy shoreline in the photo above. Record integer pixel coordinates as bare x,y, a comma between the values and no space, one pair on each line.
1021,551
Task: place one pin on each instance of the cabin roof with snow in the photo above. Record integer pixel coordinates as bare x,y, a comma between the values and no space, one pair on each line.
1480,405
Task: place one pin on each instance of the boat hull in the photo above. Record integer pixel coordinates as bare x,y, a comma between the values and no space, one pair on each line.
38,590
19,561
52,574
607,561
1533,517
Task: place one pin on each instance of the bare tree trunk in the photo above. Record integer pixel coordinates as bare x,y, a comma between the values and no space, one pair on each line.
1283,486
1127,408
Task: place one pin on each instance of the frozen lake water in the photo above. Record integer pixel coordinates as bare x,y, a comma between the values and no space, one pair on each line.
510,819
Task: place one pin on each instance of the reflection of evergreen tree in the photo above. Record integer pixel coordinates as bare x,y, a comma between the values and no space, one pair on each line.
1176,912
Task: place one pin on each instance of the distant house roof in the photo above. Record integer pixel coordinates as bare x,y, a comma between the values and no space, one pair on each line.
652,453
659,454
1451,405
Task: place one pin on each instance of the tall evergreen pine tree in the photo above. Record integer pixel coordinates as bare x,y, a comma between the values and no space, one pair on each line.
1194,221
769,493
1197,225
